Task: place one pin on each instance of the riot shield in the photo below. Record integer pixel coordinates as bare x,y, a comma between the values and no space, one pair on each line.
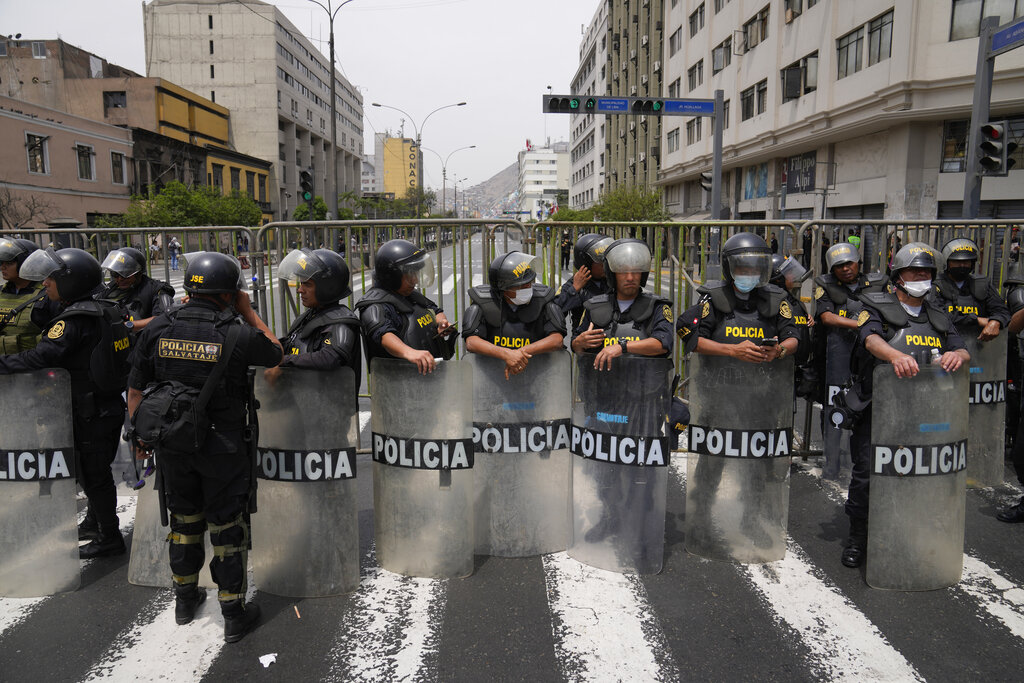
619,472
836,447
918,479
987,413
305,537
737,474
37,483
422,468
522,466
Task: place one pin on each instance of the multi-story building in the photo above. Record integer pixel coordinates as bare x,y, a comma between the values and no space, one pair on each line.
250,58
634,67
587,131
397,165
369,182
836,109
543,175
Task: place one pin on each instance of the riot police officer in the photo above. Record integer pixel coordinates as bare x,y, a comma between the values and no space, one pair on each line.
96,359
143,296
17,330
973,303
787,274
903,328
837,297
398,321
208,488
326,336
1015,300
625,319
588,280
514,317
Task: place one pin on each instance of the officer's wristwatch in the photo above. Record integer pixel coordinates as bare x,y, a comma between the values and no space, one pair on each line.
782,351
623,345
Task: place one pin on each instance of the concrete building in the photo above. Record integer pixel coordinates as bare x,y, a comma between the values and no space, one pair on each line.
587,131
59,166
543,175
397,163
843,109
369,181
251,59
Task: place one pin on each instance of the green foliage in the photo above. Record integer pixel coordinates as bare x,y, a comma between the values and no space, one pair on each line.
564,213
177,205
301,212
630,203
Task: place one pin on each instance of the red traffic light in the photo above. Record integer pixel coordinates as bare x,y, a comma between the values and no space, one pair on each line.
993,131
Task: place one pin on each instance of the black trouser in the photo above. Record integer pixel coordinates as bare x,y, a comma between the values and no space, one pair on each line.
565,260
1017,453
860,452
96,441
209,490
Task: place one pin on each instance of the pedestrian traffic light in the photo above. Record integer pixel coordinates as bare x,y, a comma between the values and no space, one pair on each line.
642,106
994,149
306,186
707,180
561,103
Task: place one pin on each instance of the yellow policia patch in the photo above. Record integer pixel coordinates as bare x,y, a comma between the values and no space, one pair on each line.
863,318
57,331
819,292
183,349
706,310
784,310
667,312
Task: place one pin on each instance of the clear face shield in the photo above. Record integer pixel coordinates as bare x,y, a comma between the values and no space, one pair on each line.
40,265
121,263
744,267
793,271
299,266
597,249
631,257
9,250
421,267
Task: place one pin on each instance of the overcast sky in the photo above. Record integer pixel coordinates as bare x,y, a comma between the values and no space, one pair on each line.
499,56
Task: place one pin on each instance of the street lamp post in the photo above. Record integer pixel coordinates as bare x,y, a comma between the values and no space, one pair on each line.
444,171
418,129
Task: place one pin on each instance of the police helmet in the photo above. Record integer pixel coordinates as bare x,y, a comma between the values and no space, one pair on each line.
323,267
16,249
783,268
746,251
916,255
588,249
211,272
125,262
76,272
1014,274
512,269
960,249
396,258
840,254
627,255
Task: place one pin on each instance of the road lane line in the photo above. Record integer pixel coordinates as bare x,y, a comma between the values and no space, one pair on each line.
997,595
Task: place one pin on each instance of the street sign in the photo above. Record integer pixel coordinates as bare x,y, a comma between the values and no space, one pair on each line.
654,106
512,213
1007,38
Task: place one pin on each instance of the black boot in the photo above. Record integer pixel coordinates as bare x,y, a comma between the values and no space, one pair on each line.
88,528
108,543
239,619
857,545
1012,515
186,601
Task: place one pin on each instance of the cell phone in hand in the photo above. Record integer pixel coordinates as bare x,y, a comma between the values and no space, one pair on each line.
769,342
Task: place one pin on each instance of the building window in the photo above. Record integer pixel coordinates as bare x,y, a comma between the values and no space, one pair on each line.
3,48
86,167
675,88
250,184
262,179
725,114
39,50
719,4
236,179
967,15
117,168
880,38
747,104
755,31
675,41
38,159
762,96
695,75
721,56
209,21
697,20
211,71
954,146
800,78
211,47
213,96
114,100
218,176
850,50
693,131
672,141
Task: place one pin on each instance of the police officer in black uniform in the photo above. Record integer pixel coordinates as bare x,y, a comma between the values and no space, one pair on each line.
514,317
837,297
326,336
208,488
398,321
143,296
72,277
903,328
17,297
626,319
787,274
1015,300
973,303
588,280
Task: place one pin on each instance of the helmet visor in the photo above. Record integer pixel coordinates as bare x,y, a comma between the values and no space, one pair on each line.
40,264
10,250
421,266
630,257
759,264
121,263
596,250
793,270
299,266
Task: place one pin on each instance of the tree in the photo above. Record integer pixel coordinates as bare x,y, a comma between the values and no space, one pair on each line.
564,213
19,211
301,212
630,203
177,205
347,198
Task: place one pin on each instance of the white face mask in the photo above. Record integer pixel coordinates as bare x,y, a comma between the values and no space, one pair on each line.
918,289
522,296
746,283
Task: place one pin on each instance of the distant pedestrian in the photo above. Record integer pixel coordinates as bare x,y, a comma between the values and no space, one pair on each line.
174,247
566,251
775,244
154,251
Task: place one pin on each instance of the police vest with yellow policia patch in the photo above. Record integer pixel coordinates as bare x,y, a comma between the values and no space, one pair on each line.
734,325
908,334
510,329
108,364
419,324
633,324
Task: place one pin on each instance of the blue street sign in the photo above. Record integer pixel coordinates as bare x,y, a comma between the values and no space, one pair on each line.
692,107
612,104
1008,38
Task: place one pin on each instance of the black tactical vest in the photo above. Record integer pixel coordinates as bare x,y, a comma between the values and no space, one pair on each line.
419,324
513,329
139,299
914,335
967,300
633,324
736,322
848,303
312,330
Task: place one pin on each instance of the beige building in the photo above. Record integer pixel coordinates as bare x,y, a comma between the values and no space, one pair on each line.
59,166
251,59
843,109
543,176
587,131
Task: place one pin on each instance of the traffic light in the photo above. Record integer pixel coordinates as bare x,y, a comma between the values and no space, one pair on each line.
707,180
994,149
642,106
306,186
562,103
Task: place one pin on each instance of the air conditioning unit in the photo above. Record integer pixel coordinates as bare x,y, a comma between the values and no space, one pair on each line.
644,41
646,3
643,158
632,162
791,14
622,132
657,25
643,121
643,79
632,90
632,126
657,67
632,55
624,64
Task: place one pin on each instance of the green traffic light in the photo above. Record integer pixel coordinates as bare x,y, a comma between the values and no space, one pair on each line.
306,196
574,103
591,103
656,105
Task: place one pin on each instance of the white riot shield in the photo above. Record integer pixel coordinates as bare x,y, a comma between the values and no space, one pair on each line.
522,466
619,472
422,468
737,474
836,447
987,413
38,534
305,536
918,479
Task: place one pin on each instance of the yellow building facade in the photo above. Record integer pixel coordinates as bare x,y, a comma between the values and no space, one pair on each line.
401,166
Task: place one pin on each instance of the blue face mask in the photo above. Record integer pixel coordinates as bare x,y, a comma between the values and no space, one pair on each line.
746,283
